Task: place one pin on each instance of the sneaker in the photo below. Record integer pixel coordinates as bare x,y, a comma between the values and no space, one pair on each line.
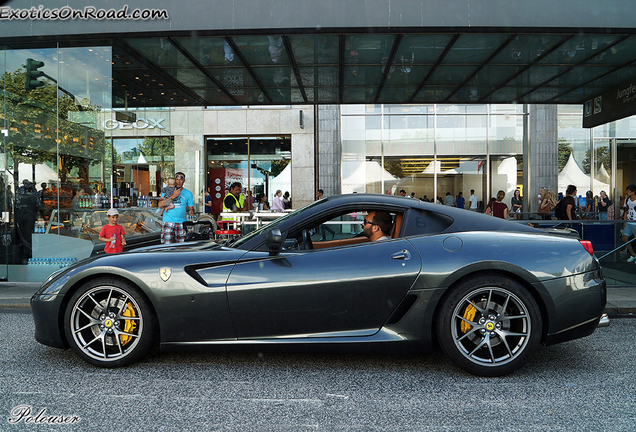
631,259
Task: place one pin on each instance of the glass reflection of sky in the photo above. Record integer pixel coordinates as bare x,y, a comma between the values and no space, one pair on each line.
84,71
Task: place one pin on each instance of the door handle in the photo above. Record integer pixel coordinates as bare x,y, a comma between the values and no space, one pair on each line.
402,255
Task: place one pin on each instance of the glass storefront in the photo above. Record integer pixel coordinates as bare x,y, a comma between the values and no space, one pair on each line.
51,151
433,151
260,164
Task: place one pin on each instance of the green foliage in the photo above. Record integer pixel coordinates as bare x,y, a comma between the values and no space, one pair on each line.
278,166
33,118
565,149
394,167
602,156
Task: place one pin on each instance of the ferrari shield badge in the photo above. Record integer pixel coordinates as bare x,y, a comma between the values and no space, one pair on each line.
165,273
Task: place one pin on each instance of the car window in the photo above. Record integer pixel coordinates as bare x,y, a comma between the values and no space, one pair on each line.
425,222
334,230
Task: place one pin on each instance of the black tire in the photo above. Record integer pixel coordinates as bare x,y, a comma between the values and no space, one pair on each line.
112,336
489,326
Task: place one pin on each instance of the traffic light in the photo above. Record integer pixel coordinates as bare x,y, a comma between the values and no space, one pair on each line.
32,74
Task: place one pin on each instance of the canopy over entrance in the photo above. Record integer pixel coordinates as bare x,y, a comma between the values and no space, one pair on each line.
332,52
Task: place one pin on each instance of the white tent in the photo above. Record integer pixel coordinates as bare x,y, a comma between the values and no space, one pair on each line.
282,181
436,166
43,173
603,175
572,174
367,177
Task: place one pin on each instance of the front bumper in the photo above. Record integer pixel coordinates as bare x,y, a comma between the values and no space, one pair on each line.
46,316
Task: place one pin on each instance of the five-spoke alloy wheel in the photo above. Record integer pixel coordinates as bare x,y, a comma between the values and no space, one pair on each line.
489,326
109,323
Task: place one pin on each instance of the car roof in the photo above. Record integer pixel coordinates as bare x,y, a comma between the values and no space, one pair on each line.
464,220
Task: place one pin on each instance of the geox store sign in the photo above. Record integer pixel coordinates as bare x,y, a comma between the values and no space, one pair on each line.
140,123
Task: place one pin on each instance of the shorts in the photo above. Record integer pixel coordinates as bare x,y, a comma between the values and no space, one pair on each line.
630,229
172,232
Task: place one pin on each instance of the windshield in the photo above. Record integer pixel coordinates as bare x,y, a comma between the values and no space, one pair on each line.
242,240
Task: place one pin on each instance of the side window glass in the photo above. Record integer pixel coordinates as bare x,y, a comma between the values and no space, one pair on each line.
426,222
338,228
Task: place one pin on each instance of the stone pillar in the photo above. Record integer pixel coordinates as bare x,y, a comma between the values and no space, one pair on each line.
303,156
329,154
542,152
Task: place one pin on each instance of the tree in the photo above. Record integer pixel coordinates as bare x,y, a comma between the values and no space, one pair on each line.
278,166
394,167
565,150
602,156
40,131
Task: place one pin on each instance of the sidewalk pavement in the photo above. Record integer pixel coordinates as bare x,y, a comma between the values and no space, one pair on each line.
621,301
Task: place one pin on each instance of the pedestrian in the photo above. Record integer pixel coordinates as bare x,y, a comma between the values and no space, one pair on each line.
287,201
460,200
516,204
113,233
278,205
603,205
27,207
547,204
630,221
566,208
167,191
473,200
208,202
499,208
172,230
449,200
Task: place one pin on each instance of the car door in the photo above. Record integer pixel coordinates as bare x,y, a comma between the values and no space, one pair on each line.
340,291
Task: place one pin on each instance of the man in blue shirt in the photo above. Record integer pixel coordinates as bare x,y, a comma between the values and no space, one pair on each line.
172,230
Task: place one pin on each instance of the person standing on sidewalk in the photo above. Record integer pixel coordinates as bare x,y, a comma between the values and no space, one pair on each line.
630,220
473,200
113,234
172,230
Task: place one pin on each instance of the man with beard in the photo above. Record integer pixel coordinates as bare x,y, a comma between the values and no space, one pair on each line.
377,225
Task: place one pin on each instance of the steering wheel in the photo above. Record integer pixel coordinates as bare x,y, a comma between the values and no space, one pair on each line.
307,243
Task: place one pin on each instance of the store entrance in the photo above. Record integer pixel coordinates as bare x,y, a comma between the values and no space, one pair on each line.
140,167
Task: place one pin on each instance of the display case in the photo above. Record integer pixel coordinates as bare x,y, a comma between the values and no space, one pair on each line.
74,233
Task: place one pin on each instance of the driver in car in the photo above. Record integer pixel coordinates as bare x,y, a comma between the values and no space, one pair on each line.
377,225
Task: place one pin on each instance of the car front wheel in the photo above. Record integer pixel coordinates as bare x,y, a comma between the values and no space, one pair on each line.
489,326
108,323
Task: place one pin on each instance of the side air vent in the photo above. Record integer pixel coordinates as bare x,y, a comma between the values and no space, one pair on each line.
402,309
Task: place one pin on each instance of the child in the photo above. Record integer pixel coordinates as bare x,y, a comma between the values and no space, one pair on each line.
113,234
167,193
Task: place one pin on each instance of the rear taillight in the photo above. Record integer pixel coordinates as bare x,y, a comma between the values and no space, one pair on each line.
588,246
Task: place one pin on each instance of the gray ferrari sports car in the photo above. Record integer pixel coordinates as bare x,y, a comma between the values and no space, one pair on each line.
486,290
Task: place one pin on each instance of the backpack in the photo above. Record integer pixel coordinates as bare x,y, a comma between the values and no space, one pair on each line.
560,210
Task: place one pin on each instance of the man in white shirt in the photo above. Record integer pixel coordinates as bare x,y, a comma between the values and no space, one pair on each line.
630,215
473,200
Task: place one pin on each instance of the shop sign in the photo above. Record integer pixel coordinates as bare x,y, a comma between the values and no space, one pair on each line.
141,123
612,105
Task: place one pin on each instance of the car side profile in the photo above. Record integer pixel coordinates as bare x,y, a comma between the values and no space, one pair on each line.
487,291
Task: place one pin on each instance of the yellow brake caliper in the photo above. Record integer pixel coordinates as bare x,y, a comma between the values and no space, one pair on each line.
129,325
469,314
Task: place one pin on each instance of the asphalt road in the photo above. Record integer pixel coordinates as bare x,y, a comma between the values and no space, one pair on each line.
583,385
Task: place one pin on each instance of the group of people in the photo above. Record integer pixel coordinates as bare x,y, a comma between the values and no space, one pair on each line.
449,200
566,208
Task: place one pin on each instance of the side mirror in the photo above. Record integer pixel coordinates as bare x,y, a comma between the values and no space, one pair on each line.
274,239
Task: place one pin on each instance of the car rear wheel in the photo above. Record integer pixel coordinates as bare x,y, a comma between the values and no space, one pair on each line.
108,323
489,326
